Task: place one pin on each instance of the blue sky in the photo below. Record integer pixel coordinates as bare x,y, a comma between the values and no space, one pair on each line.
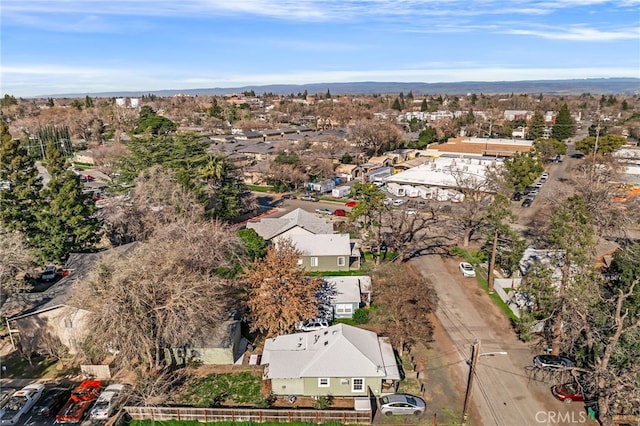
88,46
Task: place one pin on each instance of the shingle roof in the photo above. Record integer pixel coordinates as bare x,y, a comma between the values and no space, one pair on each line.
270,227
337,351
322,244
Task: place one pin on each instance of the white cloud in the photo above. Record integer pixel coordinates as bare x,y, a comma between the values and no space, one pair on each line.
580,33
40,80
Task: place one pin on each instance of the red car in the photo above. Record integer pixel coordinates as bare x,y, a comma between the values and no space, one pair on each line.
568,392
79,402
351,203
339,212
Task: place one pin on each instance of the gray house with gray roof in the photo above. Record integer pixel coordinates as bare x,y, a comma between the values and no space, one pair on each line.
340,360
295,222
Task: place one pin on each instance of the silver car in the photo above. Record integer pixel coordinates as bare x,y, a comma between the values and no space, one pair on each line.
400,403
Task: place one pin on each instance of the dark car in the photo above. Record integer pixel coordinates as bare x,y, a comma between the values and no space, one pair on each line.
517,196
288,197
51,401
527,202
568,392
553,361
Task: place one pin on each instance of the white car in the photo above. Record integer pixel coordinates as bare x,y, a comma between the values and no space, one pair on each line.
324,211
312,325
467,270
20,402
401,404
398,202
106,402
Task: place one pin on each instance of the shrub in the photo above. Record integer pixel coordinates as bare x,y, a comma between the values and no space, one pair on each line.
361,316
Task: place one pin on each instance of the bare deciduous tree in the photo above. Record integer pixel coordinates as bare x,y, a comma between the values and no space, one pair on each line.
15,258
405,301
165,292
279,292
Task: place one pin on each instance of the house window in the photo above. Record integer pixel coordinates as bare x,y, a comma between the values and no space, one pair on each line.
323,382
357,385
300,262
344,308
341,261
314,261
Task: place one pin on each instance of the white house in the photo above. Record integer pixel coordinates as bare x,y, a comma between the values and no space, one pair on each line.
295,222
340,360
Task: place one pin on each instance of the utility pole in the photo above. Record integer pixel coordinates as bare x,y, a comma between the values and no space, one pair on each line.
475,353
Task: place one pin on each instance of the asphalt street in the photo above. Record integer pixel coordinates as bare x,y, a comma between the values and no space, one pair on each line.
504,393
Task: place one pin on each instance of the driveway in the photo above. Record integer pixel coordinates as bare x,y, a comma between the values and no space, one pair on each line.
504,393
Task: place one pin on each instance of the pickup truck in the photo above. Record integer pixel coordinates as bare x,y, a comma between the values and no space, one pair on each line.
79,402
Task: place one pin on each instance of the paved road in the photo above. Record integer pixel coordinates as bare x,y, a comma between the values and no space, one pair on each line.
504,394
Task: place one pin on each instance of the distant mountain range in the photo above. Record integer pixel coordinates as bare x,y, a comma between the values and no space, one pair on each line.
551,87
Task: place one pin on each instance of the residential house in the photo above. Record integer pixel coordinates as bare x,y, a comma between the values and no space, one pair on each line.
295,222
223,346
341,361
348,172
348,294
52,316
327,252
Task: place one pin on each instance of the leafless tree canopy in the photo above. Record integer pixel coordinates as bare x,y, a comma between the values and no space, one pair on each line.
279,292
15,258
405,301
155,201
163,292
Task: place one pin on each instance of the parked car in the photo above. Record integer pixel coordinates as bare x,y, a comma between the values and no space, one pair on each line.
539,185
308,198
399,403
52,400
411,212
553,361
20,402
557,159
106,402
527,202
288,197
568,392
467,270
351,203
78,404
324,211
312,325
398,202
517,196
339,212
49,273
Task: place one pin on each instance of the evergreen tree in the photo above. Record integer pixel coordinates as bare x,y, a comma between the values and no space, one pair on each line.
65,223
424,106
328,95
397,105
536,126
88,102
20,184
564,127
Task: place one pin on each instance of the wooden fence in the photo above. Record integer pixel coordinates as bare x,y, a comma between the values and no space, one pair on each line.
249,414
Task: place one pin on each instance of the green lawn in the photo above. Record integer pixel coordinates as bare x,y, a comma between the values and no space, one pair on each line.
18,367
241,388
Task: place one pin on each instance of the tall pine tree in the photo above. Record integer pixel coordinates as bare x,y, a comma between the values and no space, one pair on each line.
21,184
66,223
536,126
564,127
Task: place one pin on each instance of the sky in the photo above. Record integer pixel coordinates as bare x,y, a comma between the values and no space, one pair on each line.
89,46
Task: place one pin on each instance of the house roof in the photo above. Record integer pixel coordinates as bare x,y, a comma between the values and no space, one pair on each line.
348,289
269,227
322,244
337,351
